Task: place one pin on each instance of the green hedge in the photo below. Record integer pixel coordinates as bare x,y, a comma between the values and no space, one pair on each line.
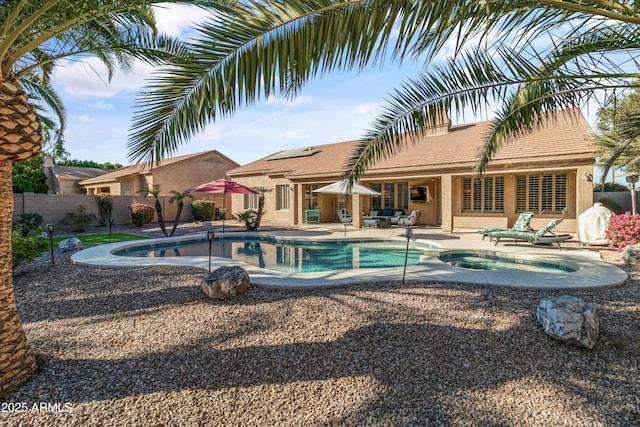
203,210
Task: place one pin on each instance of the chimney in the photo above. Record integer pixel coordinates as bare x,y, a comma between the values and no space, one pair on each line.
442,125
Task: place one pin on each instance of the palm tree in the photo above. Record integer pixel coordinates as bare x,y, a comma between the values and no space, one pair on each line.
155,192
34,37
276,46
178,197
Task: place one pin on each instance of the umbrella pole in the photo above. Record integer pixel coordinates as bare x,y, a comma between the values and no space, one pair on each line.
224,208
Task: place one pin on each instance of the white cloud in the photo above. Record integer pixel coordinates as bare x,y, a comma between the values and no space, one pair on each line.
89,78
86,118
100,105
176,19
367,109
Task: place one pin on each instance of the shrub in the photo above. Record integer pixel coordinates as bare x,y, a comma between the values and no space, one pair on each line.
78,220
623,230
612,205
203,210
28,222
105,207
28,247
609,187
141,213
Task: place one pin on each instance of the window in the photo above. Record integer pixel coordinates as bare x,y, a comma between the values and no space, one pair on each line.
282,197
251,201
546,193
395,195
483,195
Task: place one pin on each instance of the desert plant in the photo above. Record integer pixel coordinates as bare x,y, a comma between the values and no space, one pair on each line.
26,246
141,213
78,220
612,205
250,217
623,230
28,222
105,207
178,197
203,210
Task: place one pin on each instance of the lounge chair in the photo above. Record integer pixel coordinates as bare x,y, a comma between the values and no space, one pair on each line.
544,235
521,224
411,220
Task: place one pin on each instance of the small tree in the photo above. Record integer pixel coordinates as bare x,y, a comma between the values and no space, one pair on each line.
178,197
155,192
105,207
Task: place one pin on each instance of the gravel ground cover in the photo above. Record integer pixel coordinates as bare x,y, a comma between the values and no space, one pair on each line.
145,347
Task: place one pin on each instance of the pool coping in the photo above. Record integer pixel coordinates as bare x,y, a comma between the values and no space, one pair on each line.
591,272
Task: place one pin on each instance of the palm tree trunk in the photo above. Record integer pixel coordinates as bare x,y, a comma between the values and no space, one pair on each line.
17,361
178,214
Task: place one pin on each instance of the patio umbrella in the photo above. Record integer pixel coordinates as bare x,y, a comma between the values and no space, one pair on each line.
342,187
222,186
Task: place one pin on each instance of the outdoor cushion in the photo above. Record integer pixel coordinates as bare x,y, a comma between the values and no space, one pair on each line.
521,224
387,212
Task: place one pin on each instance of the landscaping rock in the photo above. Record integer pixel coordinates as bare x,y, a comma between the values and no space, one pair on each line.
226,282
68,245
631,255
569,319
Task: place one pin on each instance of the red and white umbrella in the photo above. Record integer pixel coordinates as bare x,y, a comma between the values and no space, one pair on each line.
222,186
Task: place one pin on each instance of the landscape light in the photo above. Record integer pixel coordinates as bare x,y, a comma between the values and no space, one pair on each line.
50,231
409,234
210,236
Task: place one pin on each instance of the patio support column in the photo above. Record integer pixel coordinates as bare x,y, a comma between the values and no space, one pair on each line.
447,203
356,210
299,204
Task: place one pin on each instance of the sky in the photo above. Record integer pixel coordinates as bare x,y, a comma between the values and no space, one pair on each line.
334,108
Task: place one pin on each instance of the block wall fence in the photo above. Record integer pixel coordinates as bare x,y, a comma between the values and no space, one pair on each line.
53,207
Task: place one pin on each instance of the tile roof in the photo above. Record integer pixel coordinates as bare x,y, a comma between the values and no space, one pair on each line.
76,172
146,168
563,138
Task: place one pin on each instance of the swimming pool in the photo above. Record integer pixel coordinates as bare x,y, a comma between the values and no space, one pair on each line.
591,271
287,255
484,261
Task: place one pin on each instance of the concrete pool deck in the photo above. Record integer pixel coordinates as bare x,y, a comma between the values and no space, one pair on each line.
591,271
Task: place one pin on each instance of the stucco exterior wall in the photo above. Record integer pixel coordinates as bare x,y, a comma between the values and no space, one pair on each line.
270,213
53,207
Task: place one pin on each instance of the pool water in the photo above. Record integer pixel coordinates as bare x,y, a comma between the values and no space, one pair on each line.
495,263
288,256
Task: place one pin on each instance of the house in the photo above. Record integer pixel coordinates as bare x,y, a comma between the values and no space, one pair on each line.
541,172
66,179
176,173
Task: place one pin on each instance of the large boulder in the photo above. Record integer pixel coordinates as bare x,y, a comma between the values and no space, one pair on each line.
68,245
569,319
631,254
226,282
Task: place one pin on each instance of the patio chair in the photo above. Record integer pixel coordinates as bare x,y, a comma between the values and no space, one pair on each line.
344,216
544,235
410,220
521,224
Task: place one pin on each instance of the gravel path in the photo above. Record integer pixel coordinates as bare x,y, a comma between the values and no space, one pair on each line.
145,347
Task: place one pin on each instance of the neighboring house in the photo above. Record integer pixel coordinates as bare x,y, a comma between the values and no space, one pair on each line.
541,172
176,173
66,179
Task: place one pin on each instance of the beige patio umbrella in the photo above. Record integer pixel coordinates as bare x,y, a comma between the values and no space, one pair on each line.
342,187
